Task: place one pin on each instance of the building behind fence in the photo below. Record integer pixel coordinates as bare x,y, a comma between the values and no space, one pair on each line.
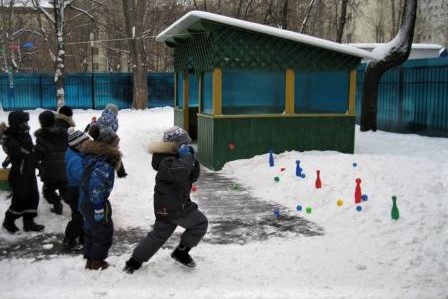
82,91
412,98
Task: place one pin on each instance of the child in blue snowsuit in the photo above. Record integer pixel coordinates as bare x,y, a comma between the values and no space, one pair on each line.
102,157
74,167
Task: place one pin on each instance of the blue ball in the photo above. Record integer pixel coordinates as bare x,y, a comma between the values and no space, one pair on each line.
364,197
299,208
359,208
302,175
355,164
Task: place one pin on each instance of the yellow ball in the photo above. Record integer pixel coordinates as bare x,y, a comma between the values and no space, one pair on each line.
340,202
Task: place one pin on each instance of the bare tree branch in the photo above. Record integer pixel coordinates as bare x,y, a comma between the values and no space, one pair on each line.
307,15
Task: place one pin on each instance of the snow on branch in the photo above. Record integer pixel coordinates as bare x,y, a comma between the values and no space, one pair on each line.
50,18
82,11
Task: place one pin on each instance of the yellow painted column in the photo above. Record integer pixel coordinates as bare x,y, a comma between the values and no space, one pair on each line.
352,93
186,92
217,91
289,91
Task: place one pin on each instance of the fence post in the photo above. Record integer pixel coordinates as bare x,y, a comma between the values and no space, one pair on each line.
41,97
93,90
400,94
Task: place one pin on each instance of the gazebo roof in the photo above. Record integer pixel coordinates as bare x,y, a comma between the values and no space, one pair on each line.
181,28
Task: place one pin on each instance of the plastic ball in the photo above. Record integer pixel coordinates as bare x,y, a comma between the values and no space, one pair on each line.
299,208
276,179
309,210
364,197
359,208
340,202
231,146
355,164
235,186
302,175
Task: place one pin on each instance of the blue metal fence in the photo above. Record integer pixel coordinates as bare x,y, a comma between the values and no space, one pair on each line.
83,91
412,98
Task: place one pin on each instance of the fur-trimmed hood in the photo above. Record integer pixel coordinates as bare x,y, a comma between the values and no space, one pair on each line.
100,149
163,148
51,133
67,119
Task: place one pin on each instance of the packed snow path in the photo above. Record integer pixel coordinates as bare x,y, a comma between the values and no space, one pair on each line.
234,215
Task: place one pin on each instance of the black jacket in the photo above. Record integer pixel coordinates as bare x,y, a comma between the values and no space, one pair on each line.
19,147
51,144
22,176
63,121
174,178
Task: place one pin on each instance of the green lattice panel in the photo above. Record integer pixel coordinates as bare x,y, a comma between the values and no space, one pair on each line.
235,48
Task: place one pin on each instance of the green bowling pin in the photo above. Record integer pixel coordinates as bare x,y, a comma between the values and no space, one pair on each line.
394,213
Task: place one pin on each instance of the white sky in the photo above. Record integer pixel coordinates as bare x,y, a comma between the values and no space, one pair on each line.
361,255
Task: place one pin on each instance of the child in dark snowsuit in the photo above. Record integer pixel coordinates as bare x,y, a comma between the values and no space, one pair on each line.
64,117
102,157
22,176
74,166
177,168
51,143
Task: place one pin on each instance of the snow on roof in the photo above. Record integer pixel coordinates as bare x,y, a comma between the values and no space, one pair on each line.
180,27
414,46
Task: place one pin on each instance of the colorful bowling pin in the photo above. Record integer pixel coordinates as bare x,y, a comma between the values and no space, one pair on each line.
298,169
271,158
358,193
395,213
318,182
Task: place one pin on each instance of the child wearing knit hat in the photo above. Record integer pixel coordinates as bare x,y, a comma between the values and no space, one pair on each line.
74,166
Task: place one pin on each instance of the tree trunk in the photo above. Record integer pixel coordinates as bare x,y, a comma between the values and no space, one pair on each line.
342,21
134,19
307,15
285,14
60,53
397,52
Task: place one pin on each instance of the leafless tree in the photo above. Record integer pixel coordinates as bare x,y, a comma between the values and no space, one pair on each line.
57,20
307,15
16,26
342,20
391,54
134,14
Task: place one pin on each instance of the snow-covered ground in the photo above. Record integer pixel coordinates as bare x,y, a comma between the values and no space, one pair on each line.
362,254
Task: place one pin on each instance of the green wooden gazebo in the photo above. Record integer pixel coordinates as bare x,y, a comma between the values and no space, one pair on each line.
243,88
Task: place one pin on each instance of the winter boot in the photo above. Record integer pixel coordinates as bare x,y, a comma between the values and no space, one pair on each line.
9,224
57,208
181,255
97,265
31,226
71,244
132,265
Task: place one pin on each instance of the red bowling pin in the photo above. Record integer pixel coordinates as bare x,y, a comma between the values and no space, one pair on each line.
318,182
358,193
